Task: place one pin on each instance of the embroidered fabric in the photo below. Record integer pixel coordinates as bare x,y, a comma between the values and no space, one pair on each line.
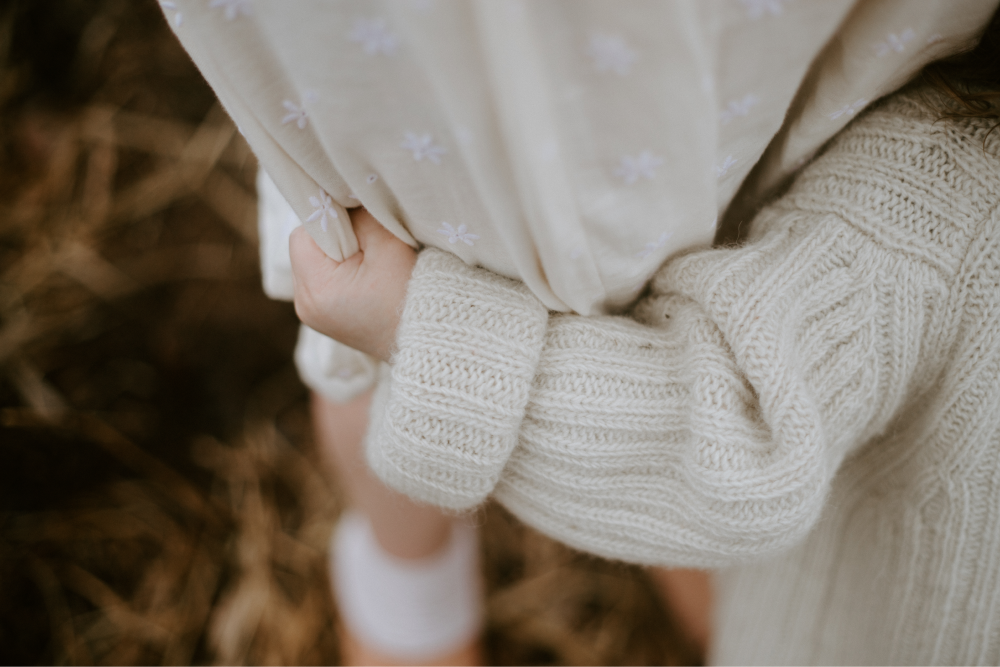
572,145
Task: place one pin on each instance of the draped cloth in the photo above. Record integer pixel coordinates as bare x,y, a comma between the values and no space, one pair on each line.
571,144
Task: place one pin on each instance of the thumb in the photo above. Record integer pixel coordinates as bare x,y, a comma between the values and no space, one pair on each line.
308,259
369,231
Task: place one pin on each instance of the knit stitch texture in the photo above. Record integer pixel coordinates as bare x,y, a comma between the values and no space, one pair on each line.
460,383
817,411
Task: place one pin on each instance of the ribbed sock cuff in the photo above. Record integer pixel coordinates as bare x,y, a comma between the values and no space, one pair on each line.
413,609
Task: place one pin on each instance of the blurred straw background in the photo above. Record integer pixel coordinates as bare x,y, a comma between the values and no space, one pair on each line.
160,498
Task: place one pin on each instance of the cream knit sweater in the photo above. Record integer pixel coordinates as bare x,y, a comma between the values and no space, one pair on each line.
817,412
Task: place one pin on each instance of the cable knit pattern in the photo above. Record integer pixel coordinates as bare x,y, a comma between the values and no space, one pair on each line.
843,364
763,366
459,383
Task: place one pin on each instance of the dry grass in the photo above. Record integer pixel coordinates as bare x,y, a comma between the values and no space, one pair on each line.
160,495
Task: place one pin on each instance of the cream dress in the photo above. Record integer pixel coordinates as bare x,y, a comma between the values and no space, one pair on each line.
573,145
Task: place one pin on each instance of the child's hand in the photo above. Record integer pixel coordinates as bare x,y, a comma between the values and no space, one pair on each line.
358,301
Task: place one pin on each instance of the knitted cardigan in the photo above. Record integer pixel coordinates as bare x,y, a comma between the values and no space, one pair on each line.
816,412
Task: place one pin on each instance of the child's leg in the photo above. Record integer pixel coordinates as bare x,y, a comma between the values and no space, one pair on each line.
409,531
688,594
416,546
403,528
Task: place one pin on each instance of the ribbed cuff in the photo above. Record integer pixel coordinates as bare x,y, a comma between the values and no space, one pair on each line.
468,344
412,609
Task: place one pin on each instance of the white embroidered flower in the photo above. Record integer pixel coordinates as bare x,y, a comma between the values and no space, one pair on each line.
233,7
653,246
894,43
374,37
935,38
738,108
643,165
758,8
422,146
727,164
295,113
849,109
611,54
172,6
298,113
456,235
324,209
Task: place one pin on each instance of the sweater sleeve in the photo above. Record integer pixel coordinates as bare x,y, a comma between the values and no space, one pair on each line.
705,429
446,420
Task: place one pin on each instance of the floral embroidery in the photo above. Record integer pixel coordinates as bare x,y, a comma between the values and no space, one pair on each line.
172,6
758,8
298,113
727,164
371,178
894,42
849,109
653,246
738,108
455,235
422,146
935,38
611,54
374,37
644,165
233,7
324,208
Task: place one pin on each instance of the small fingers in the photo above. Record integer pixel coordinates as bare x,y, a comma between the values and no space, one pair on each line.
312,270
306,256
369,231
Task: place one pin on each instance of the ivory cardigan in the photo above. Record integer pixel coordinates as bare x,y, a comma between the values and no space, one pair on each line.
817,412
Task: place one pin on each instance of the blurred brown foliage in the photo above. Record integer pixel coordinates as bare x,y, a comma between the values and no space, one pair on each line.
160,498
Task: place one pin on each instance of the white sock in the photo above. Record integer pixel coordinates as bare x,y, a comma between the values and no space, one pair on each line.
413,609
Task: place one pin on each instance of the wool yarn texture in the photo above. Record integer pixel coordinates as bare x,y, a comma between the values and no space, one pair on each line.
816,412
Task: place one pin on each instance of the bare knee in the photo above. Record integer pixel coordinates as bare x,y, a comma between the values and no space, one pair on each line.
340,432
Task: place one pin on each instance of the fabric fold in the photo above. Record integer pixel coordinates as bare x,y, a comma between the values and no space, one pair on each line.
574,146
